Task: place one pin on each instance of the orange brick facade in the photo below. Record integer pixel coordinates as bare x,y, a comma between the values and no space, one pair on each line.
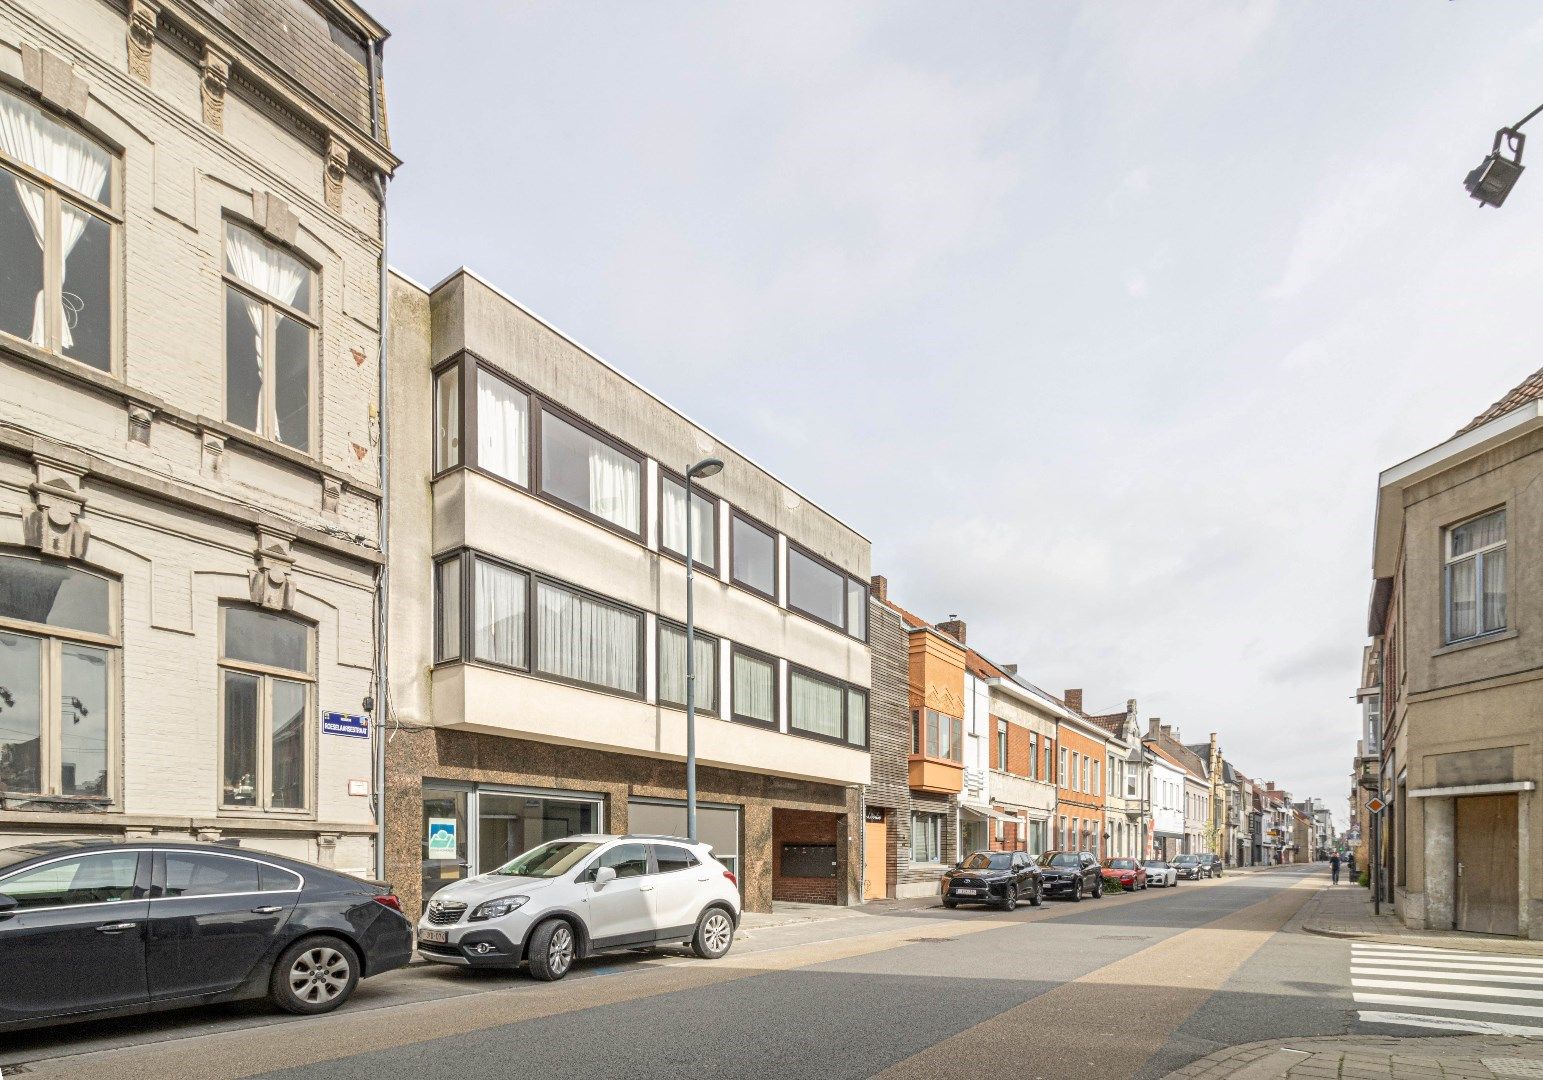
1079,820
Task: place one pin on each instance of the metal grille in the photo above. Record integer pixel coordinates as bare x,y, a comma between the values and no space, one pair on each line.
445,914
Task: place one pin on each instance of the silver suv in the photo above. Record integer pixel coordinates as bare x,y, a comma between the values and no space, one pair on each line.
574,897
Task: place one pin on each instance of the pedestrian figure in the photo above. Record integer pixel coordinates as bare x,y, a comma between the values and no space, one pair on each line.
1334,869
1350,863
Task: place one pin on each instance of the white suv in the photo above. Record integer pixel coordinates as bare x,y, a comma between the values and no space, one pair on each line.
582,895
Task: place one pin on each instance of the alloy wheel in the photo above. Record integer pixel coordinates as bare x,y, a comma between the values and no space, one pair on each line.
559,954
319,975
717,933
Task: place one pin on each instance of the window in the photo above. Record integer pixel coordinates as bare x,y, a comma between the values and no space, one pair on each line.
591,474
447,418
103,878
670,859
1084,786
58,641
1091,771
857,609
266,677
1049,773
704,522
1076,772
1063,778
498,613
814,589
447,624
1039,842
1001,755
503,428
755,687
628,860
588,641
1373,710
276,880
672,668
940,736
1033,755
270,331
926,837
857,716
58,230
1476,577
753,556
191,874
825,707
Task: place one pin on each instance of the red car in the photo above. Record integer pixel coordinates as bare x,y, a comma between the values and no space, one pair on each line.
1128,872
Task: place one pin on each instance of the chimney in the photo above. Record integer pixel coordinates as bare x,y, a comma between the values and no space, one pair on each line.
1169,733
879,586
1269,785
1154,727
1011,669
954,628
1073,699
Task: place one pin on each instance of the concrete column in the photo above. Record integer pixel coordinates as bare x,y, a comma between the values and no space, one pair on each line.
1440,863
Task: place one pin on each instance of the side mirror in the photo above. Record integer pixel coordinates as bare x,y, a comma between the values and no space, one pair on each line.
958,866
8,904
604,876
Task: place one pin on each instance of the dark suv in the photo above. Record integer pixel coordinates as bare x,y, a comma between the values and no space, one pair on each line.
993,877
1213,865
1072,874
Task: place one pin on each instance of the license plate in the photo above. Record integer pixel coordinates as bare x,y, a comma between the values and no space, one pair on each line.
434,937
965,892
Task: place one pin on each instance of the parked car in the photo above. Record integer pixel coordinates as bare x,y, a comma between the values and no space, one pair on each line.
1213,864
583,895
1161,874
1072,874
1128,872
1191,868
993,877
92,928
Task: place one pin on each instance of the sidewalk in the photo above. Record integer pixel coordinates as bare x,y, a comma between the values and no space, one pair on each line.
786,913
1368,1057
1345,911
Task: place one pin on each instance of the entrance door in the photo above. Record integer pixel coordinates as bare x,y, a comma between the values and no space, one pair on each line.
1487,857
876,873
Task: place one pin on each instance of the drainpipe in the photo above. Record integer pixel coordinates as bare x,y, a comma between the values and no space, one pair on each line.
382,702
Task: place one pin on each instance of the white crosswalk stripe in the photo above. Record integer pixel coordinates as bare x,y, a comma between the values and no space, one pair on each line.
1417,986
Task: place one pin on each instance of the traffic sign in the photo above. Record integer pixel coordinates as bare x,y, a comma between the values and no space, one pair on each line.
1375,805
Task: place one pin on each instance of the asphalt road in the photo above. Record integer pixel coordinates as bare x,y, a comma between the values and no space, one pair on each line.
1127,986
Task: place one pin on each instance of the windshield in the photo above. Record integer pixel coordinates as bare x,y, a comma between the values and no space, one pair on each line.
1186,860
548,860
1155,864
1121,864
983,860
1061,858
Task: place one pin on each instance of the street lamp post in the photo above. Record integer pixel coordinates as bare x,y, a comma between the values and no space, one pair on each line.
700,471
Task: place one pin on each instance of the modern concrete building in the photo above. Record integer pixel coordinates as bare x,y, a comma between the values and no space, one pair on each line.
1456,612
191,237
538,531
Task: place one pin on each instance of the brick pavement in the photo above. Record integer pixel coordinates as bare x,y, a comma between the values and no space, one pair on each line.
1345,911
1370,1057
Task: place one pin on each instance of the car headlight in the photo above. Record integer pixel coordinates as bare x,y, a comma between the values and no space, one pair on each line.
497,909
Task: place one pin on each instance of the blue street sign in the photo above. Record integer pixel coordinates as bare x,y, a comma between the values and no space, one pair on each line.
337,723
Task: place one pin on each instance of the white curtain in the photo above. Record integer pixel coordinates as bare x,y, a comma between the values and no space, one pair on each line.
1493,612
816,706
266,269
498,614
502,435
704,537
672,668
857,717
753,696
65,156
614,486
578,638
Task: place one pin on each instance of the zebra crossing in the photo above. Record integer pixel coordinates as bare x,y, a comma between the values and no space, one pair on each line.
1447,989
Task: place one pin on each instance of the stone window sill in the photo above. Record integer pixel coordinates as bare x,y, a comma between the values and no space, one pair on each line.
1474,643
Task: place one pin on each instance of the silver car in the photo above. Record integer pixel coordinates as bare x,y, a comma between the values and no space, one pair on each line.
1160,874
581,895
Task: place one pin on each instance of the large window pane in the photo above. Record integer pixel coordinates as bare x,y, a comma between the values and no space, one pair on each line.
85,242
31,136
857,717
815,588
1478,533
857,608
102,878
704,525
239,769
21,660
266,267
262,637
243,359
447,631
815,705
83,722
754,557
1493,613
292,381
755,682
580,469
672,668
498,621
503,431
47,592
510,825
447,418
190,874
1462,600
587,641
21,258
287,791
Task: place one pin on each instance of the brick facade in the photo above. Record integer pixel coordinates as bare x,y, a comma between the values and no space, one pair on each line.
802,827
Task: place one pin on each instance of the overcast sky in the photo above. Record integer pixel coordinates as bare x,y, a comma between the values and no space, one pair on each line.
1098,319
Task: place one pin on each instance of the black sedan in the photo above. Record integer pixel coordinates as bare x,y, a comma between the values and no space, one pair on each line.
1072,874
1191,868
92,928
993,877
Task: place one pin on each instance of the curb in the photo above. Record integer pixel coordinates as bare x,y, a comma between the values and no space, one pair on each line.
1486,945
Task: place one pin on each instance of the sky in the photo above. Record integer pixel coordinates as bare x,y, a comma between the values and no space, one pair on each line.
1098,319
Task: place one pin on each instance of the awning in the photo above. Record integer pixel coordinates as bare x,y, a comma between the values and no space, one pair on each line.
986,813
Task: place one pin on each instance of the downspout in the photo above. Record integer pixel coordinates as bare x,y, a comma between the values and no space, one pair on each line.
382,702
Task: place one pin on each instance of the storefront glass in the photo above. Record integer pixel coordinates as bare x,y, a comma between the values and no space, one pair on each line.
444,838
716,825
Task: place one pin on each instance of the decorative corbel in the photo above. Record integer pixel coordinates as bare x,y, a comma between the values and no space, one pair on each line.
55,80
143,15
271,583
211,461
331,494
141,418
53,525
335,172
215,80
275,217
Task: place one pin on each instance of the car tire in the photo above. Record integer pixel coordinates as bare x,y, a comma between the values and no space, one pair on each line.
714,934
1098,889
1077,891
950,904
314,976
1038,898
1010,899
552,951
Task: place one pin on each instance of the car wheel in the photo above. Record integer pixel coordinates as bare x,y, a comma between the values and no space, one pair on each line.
1098,889
714,934
1010,899
1077,891
950,904
314,976
551,950
1038,898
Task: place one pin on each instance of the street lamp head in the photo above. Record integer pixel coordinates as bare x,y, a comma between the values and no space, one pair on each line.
705,468
1497,174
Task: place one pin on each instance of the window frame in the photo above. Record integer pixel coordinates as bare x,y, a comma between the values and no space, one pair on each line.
846,723
464,457
1000,738
841,575
712,708
54,196
867,594
928,820
696,491
268,425
265,674
736,514
540,407
921,725
1479,557
52,640
472,368
775,723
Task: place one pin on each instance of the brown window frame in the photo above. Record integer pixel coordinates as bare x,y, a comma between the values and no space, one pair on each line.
842,575
775,723
696,491
712,707
736,514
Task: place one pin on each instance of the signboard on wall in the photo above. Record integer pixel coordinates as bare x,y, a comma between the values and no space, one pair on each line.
443,834
350,725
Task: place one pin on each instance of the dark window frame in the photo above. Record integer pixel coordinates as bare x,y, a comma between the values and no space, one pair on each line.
736,514
266,674
537,580
775,723
867,603
696,489
842,576
846,724
711,709
540,407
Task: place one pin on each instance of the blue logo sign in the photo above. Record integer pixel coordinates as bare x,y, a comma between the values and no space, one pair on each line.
337,723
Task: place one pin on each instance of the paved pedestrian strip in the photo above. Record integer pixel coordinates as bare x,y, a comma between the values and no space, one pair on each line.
1447,989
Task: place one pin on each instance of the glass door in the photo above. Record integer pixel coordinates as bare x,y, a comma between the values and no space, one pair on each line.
510,823
445,839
